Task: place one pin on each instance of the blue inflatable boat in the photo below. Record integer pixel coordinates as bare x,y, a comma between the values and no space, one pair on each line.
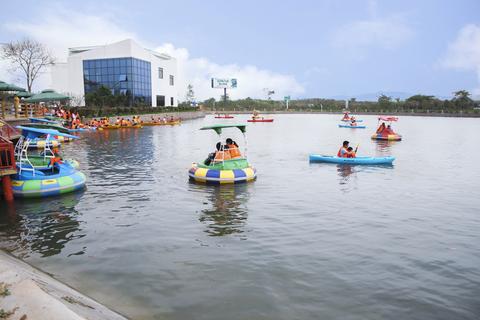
357,160
352,127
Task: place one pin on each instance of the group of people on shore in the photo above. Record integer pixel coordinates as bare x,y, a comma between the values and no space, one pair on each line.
228,151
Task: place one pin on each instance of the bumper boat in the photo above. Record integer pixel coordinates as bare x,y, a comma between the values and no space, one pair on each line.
357,160
44,174
386,132
221,167
60,178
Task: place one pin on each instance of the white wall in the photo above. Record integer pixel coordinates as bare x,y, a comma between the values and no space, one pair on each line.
69,77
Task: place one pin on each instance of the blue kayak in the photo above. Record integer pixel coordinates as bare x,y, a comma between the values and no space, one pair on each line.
359,120
357,160
352,127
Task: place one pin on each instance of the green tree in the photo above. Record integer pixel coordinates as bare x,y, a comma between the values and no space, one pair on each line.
384,101
462,99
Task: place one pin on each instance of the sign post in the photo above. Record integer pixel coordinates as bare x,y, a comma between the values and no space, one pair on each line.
286,99
224,84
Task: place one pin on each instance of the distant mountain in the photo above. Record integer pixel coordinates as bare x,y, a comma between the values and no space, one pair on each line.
374,96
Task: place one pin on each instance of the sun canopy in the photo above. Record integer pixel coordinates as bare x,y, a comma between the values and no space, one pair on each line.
218,127
46,96
384,118
54,126
9,87
37,132
42,120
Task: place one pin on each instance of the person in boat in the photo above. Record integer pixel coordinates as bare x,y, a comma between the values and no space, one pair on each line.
342,152
57,158
388,130
222,153
233,149
381,128
351,153
353,122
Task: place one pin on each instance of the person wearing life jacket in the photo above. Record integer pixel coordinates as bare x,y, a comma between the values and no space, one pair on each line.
233,149
388,130
221,154
353,122
56,157
342,152
381,128
350,153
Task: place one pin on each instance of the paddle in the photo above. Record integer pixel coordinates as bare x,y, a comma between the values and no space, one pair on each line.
356,149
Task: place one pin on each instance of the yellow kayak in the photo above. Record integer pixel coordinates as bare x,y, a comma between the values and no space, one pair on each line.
110,126
135,126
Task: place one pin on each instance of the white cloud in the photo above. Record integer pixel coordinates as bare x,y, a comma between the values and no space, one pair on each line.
251,79
69,29
387,33
464,52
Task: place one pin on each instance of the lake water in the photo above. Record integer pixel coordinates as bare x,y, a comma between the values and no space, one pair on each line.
304,241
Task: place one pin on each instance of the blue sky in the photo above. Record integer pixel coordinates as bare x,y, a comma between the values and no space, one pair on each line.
302,48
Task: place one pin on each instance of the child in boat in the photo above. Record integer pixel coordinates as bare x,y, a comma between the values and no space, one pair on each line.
342,152
350,153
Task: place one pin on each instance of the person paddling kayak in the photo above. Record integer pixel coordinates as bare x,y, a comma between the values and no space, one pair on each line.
342,152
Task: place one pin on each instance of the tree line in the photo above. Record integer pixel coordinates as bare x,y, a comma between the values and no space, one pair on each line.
460,103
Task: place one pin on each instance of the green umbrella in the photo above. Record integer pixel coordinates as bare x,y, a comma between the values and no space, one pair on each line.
9,87
46,96
22,94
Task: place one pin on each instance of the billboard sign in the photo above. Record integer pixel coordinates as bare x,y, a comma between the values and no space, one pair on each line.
224,83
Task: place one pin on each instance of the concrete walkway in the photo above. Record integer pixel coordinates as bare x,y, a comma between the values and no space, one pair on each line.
27,293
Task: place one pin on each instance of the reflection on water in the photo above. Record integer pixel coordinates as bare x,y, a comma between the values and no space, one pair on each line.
42,226
345,171
383,147
226,211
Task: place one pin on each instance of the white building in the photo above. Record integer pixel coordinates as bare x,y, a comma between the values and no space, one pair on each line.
145,76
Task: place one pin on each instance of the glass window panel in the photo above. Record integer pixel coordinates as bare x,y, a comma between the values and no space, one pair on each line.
103,63
123,63
129,62
122,77
110,63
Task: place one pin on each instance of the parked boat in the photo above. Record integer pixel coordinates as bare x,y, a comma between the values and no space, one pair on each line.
44,174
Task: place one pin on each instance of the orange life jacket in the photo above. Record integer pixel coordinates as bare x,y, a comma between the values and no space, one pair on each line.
351,154
234,151
221,156
339,154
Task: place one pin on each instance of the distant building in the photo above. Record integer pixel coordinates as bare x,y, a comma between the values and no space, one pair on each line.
145,76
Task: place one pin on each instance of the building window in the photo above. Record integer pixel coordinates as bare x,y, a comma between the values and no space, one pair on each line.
171,80
171,101
160,73
160,101
123,76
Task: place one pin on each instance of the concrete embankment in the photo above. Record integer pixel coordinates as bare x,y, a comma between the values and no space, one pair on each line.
167,115
27,293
